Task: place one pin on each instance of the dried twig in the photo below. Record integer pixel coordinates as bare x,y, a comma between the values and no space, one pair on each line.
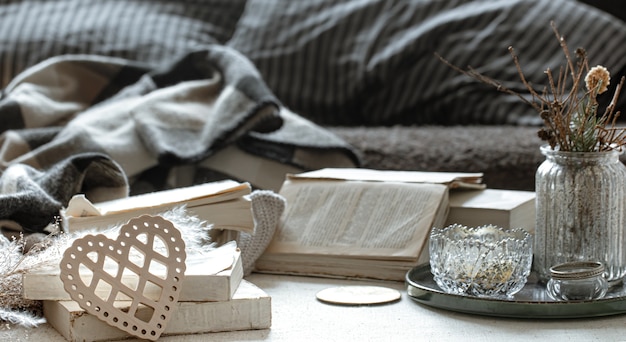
571,118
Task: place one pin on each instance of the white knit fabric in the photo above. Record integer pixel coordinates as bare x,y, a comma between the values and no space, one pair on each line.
267,207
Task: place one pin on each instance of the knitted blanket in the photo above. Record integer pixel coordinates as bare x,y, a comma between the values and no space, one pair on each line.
107,127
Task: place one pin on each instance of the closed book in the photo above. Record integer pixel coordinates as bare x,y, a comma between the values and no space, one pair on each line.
213,276
249,309
223,204
504,208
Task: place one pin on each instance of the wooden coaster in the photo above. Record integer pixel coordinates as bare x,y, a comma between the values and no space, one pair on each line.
149,247
358,295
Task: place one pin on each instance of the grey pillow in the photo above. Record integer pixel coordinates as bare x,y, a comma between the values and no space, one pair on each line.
372,62
147,31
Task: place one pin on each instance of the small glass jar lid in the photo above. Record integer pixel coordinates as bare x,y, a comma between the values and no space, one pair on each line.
577,270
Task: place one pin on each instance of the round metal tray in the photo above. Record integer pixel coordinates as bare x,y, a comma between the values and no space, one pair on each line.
531,302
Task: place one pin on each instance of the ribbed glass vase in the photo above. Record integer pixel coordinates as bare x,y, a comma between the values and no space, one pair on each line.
580,211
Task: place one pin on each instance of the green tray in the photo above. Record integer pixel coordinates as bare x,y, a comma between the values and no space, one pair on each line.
531,302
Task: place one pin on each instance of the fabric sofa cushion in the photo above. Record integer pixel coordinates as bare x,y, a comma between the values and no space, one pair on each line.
147,31
372,62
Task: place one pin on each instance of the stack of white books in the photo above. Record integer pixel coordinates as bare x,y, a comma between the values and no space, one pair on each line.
214,297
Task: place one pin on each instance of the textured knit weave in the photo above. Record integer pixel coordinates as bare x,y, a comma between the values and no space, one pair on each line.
267,207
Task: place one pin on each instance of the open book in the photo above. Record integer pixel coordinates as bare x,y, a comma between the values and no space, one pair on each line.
358,223
224,204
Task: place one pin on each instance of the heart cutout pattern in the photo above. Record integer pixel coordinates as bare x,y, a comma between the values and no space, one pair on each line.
149,247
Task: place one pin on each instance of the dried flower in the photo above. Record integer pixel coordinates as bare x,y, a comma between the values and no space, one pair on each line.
572,121
598,78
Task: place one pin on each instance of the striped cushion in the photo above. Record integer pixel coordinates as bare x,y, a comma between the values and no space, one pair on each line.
149,31
371,62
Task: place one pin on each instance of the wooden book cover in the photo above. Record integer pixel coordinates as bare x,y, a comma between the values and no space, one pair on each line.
223,204
213,276
249,309
340,226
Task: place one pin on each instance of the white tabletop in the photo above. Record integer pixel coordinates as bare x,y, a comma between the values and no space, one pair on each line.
298,316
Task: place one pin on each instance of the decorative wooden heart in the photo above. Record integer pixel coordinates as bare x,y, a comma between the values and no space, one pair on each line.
149,247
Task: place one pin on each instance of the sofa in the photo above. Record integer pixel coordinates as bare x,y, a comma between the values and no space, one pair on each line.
320,83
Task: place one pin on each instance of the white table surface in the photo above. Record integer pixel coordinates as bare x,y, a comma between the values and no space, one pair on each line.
298,316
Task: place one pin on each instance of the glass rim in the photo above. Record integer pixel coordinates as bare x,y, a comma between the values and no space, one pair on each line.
506,235
546,150
577,270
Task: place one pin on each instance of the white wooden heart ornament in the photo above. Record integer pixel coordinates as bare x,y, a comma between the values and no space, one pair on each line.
149,248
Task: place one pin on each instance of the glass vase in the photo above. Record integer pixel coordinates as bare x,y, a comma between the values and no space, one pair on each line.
580,211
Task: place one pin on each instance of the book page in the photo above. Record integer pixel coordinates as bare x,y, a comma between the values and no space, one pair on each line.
452,179
192,195
364,219
223,204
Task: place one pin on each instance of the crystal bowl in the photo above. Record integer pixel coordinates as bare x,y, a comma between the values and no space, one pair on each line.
485,261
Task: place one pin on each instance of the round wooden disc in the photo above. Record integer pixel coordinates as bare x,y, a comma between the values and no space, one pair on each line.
358,295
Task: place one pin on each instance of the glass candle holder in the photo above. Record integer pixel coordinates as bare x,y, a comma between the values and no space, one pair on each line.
484,261
579,280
